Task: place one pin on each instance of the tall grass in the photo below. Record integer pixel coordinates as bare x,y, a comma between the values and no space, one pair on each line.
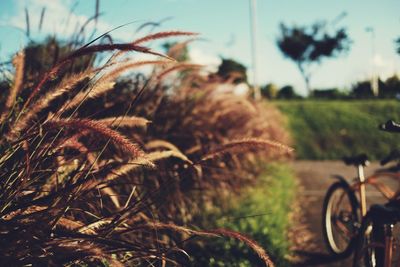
98,169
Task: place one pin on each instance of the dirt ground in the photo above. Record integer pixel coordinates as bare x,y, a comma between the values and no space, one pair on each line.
314,179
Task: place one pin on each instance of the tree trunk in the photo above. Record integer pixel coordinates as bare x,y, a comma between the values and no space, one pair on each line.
306,76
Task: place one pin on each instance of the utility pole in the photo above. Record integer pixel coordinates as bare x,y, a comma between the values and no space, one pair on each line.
253,30
374,78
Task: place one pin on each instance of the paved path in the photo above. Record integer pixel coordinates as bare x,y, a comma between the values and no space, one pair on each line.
314,179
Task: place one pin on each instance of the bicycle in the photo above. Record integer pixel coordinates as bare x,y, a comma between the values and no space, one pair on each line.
375,240
345,203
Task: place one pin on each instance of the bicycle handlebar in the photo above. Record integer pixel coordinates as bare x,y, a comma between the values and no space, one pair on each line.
394,154
390,126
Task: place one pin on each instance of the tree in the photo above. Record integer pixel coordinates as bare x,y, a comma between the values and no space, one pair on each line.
390,88
362,90
329,93
231,69
387,89
398,45
41,56
270,91
308,45
287,92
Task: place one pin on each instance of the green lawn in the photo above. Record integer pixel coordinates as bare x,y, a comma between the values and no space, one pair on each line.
333,129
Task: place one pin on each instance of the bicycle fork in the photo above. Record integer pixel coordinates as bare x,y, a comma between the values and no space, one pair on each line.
389,245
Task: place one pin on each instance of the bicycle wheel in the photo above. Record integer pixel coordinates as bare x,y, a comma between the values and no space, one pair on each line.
369,246
340,219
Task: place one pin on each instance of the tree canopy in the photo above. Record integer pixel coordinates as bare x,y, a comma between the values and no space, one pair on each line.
310,44
231,69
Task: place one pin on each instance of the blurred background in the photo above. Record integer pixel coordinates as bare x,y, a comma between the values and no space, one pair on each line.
371,28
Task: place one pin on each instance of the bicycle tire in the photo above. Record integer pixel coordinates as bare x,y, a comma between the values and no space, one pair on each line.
343,214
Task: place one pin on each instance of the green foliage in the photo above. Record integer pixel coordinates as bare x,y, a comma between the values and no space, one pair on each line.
287,92
41,56
333,129
270,91
333,93
387,89
230,68
307,44
262,213
362,89
390,88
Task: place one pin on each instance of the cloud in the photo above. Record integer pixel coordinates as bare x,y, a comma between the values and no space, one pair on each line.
199,56
383,67
378,61
58,18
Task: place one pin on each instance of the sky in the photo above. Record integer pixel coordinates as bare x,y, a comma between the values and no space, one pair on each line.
224,27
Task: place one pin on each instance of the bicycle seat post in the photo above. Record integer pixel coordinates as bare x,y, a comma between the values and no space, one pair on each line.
363,199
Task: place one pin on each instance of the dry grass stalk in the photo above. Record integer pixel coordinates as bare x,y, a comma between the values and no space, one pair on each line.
18,62
175,50
126,168
99,88
128,66
160,155
139,163
162,35
66,85
218,233
86,50
248,241
93,227
101,130
104,84
49,169
157,144
41,18
124,121
178,66
244,145
111,47
112,195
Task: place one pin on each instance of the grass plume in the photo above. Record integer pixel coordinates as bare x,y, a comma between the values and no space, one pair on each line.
131,121
100,129
18,63
244,145
162,35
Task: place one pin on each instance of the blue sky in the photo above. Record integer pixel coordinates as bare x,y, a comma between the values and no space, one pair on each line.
224,26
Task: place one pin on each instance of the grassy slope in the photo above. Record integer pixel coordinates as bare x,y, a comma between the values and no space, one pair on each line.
262,213
333,129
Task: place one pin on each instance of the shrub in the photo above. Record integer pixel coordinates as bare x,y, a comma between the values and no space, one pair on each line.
287,92
333,93
269,91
